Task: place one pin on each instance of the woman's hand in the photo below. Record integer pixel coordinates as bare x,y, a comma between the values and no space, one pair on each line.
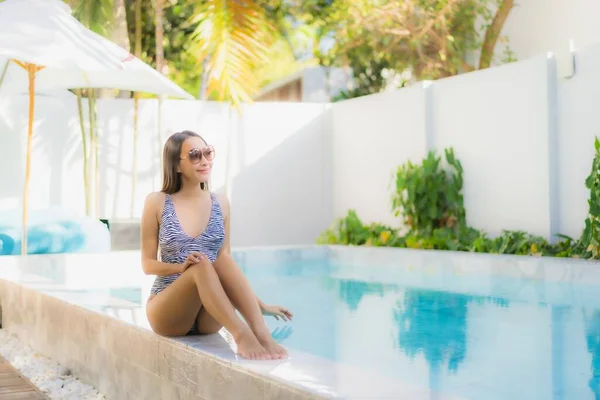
277,312
193,258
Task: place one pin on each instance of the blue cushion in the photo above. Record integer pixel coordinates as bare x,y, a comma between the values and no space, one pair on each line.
53,231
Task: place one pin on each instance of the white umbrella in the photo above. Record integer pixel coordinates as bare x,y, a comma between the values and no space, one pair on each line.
44,47
44,33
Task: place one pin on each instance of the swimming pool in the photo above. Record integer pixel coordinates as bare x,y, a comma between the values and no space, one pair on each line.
476,336
452,325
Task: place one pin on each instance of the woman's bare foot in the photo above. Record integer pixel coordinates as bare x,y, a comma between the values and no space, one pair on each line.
250,348
275,350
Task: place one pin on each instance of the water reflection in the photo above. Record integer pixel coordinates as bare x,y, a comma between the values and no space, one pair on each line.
352,292
281,333
592,332
433,323
427,322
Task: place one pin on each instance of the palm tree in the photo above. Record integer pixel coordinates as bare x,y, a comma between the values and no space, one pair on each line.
231,40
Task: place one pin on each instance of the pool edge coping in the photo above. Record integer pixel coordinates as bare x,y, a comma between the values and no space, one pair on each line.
89,364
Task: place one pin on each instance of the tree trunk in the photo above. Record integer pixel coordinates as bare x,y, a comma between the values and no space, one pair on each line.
136,105
118,31
203,89
493,32
159,35
160,60
94,149
120,34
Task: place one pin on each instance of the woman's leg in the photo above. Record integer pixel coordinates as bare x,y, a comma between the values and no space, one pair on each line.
172,311
242,296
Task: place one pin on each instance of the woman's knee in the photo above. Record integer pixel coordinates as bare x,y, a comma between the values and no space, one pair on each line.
202,268
169,332
164,328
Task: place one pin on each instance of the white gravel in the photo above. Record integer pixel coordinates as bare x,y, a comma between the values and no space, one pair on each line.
49,376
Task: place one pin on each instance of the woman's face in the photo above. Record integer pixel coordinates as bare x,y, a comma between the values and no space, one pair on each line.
196,159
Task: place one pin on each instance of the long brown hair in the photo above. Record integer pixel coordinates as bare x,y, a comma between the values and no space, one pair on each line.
171,159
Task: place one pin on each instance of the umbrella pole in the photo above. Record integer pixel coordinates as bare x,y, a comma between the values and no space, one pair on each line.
94,127
136,109
159,137
86,184
31,71
4,73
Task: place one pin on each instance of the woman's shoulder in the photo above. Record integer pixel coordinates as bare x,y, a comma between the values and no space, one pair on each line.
223,201
155,201
156,198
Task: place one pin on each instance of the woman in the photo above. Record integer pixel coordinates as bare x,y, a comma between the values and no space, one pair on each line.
198,285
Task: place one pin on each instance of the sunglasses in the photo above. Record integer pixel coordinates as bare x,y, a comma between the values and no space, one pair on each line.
195,155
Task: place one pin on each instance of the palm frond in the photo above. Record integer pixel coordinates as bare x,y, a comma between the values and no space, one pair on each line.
234,37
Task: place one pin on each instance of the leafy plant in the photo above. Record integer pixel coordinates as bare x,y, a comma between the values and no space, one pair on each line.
428,196
567,247
350,230
590,239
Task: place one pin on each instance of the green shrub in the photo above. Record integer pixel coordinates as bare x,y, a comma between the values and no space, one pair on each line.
428,198
350,230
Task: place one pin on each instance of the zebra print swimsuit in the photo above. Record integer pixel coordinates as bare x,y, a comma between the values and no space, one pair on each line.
175,244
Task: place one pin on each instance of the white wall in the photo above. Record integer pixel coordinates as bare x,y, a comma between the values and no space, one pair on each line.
281,193
372,136
579,124
279,163
538,26
497,122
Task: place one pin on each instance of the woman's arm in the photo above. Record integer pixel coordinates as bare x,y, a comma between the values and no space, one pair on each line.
149,238
261,304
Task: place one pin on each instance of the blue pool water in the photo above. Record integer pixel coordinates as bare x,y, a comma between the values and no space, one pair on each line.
434,320
507,338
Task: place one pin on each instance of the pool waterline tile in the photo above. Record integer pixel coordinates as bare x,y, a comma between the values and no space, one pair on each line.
551,269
